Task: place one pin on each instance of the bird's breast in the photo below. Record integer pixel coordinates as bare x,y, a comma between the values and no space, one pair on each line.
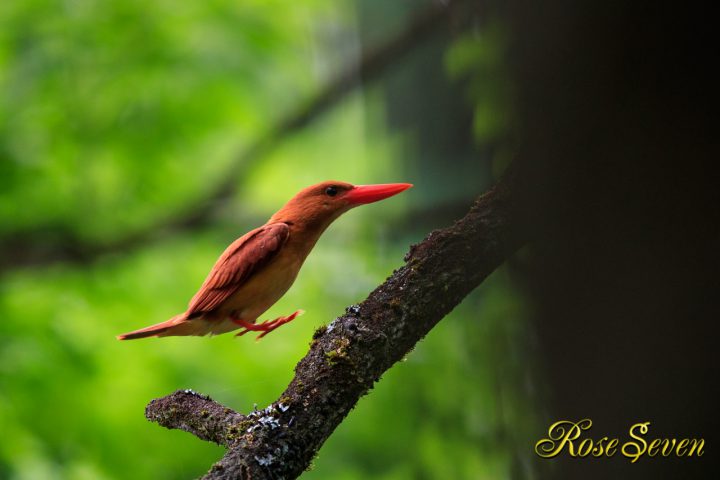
263,288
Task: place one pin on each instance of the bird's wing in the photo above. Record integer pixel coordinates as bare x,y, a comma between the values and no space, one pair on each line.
237,264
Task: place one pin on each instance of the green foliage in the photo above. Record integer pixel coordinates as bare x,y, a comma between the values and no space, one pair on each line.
111,106
479,59
114,115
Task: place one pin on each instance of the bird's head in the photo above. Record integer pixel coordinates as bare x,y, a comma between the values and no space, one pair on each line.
320,204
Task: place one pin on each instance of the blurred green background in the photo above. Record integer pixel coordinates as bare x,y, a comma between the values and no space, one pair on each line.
121,120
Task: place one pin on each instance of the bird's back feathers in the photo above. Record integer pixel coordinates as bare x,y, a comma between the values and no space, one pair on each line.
244,257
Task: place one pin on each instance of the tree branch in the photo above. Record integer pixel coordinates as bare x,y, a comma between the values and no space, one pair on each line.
348,356
55,243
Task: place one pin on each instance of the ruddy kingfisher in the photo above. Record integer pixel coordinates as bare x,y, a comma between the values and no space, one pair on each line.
259,267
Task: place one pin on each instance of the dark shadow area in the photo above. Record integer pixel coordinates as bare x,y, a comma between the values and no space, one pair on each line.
621,201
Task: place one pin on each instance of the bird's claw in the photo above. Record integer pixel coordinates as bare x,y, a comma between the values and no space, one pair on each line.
268,325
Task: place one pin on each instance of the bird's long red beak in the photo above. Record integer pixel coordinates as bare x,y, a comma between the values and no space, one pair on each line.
361,194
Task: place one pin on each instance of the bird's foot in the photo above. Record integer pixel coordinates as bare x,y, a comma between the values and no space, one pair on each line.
266,326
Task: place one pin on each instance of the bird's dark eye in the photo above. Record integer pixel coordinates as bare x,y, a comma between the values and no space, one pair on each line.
331,191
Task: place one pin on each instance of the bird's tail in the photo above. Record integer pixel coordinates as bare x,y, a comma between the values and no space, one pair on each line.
177,325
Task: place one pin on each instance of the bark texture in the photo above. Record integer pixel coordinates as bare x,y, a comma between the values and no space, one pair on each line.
349,355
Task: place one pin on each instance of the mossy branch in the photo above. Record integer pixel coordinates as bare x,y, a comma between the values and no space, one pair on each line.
349,355
198,414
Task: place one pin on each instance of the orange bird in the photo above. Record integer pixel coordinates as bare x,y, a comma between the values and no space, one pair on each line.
259,267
